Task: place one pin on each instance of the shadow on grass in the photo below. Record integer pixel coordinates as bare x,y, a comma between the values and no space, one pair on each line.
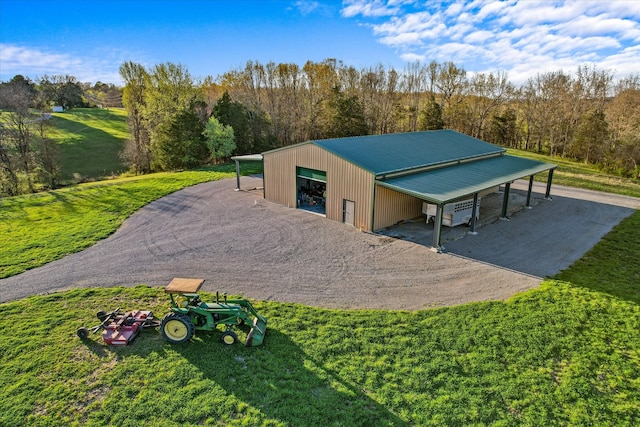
285,384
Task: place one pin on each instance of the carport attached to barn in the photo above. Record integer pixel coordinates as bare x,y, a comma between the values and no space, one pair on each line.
445,185
387,177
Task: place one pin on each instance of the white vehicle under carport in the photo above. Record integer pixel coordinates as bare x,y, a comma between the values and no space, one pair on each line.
453,214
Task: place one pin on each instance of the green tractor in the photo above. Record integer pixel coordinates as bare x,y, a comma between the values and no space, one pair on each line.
189,314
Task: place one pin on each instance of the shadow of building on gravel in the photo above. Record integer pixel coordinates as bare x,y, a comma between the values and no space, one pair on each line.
285,384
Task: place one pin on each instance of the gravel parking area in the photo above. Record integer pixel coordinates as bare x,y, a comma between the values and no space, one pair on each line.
243,244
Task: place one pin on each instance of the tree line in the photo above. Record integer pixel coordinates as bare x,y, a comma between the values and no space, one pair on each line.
177,122
584,115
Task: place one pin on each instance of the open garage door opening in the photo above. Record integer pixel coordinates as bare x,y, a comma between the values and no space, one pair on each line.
312,190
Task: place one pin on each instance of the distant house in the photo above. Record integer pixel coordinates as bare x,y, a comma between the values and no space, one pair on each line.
58,109
376,181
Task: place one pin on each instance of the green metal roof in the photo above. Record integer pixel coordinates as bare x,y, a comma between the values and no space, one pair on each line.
448,184
384,154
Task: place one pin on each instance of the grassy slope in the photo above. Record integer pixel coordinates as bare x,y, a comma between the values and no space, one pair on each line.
90,142
46,226
583,175
567,353
562,354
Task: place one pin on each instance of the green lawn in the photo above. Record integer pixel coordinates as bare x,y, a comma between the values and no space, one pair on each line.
46,226
90,141
563,354
567,353
574,174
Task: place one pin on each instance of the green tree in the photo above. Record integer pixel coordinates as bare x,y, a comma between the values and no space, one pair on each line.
623,116
234,114
452,83
591,137
431,116
16,138
169,90
170,95
179,142
61,90
219,139
503,130
343,116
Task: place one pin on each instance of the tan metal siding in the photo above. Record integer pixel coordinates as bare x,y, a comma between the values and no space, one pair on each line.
344,181
392,207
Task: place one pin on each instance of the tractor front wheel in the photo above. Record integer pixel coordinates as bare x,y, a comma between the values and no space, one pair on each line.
177,328
229,337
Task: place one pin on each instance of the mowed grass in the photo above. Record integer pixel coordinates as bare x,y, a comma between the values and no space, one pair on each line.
40,228
90,141
582,175
562,354
567,353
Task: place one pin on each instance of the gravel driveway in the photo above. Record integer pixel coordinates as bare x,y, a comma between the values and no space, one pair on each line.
245,245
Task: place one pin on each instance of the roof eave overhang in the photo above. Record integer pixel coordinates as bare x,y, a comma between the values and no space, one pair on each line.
440,199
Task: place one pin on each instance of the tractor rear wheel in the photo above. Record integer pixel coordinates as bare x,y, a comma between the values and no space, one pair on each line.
177,328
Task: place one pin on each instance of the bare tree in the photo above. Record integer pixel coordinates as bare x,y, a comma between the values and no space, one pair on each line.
16,138
487,94
412,85
452,84
137,152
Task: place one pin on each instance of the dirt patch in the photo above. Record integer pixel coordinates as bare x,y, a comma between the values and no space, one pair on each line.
243,244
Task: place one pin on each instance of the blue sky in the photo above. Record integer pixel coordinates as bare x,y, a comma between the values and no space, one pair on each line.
90,39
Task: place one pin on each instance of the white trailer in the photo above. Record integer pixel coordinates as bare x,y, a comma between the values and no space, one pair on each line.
453,214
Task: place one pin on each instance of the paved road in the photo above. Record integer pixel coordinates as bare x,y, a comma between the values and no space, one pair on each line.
245,245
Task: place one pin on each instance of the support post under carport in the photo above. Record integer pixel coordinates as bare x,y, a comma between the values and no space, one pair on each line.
472,224
437,229
237,175
528,205
505,201
547,194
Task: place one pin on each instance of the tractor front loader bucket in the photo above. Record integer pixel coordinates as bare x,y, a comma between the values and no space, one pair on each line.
257,332
258,323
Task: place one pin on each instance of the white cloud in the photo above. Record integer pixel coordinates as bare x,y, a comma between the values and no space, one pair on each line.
490,9
596,25
623,63
16,59
453,9
520,37
412,57
480,36
375,8
403,39
306,7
